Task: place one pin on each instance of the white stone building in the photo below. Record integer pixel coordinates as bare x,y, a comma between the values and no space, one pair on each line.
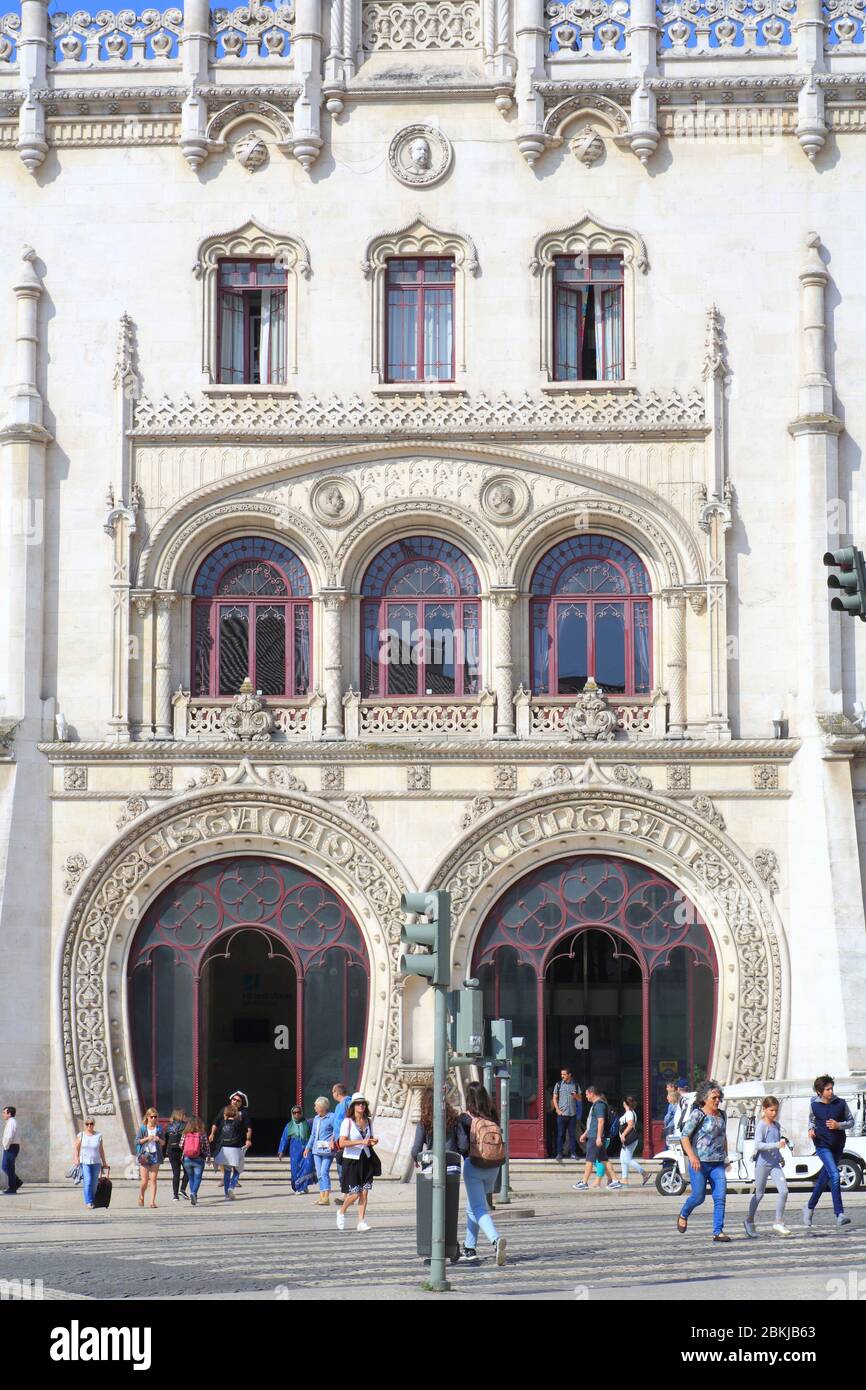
537,329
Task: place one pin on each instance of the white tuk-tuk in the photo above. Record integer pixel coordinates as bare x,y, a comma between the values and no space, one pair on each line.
799,1165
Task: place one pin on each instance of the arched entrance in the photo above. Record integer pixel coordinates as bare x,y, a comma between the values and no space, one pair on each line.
247,972
604,967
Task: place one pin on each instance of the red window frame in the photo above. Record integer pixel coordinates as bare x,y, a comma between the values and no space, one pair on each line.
553,601
380,605
419,291
567,293
216,602
244,292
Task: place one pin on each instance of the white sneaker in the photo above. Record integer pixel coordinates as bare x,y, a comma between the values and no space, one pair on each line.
579,1186
843,1220
807,1216
341,1221
751,1229
614,1184
363,1226
781,1229
500,1251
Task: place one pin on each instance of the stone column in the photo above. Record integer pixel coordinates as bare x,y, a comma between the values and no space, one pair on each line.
643,48
25,839
164,718
503,660
332,646
675,661
531,42
307,47
195,48
809,27
33,67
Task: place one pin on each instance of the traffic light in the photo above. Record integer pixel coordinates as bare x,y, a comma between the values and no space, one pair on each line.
466,1007
434,932
852,581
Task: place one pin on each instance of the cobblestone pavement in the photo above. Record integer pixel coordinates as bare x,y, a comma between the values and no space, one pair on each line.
270,1244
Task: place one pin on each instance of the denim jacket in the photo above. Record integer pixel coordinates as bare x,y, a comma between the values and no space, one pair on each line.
321,1135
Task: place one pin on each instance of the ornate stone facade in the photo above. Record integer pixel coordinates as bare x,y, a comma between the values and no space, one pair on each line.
118,771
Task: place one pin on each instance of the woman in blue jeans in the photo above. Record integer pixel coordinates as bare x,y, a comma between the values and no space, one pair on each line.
705,1144
195,1152
91,1155
319,1144
478,1128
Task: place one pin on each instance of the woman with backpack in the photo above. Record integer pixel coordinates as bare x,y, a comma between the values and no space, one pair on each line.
230,1149
360,1164
149,1145
174,1132
479,1140
628,1139
195,1153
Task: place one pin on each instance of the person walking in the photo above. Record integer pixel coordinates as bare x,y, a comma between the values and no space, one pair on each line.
829,1118
241,1103
568,1106
90,1154
768,1164
705,1144
670,1119
228,1140
195,1152
595,1139
360,1164
174,1132
319,1144
422,1143
149,1146
480,1142
294,1142
340,1097
11,1150
628,1139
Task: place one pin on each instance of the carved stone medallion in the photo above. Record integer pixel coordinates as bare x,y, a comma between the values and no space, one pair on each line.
335,501
420,155
587,146
504,499
251,151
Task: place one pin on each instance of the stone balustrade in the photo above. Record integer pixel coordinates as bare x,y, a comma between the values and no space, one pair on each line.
588,29
204,718
383,718
544,717
262,31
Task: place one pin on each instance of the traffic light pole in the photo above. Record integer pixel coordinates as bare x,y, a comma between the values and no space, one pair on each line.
504,1108
438,1282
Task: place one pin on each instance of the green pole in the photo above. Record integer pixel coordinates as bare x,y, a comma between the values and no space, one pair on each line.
438,1281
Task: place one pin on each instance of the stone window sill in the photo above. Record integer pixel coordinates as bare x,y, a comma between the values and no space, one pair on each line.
419,388
220,390
581,388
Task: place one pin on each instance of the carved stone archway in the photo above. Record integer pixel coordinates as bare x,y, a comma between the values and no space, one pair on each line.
597,815
248,815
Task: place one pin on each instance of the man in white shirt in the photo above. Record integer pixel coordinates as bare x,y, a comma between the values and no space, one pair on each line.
10,1151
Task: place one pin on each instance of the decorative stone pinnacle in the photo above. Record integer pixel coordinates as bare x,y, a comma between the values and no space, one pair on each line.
715,356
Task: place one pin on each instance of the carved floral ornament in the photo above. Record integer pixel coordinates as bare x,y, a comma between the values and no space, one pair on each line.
592,812
242,813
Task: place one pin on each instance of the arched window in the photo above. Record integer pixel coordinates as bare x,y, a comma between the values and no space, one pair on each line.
590,616
420,621
251,616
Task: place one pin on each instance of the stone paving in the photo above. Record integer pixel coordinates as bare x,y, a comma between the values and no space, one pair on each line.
270,1244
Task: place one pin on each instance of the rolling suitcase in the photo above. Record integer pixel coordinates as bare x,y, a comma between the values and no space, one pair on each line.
102,1196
